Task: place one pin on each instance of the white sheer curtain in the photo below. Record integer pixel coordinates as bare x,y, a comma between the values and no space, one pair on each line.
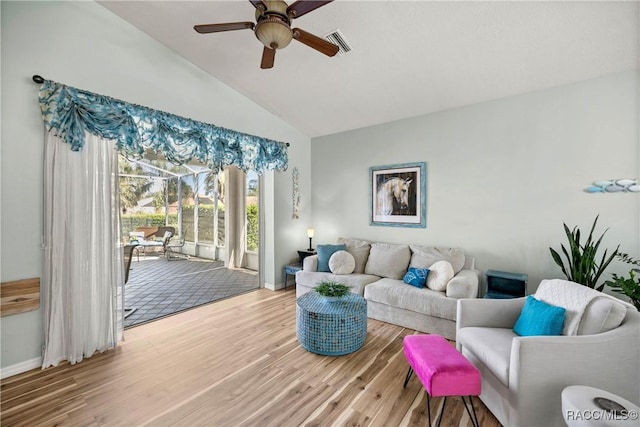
234,216
83,269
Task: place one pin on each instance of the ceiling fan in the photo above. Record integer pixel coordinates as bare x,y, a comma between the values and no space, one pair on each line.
273,27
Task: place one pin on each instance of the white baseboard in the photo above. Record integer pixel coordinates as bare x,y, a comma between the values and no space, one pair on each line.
21,367
273,287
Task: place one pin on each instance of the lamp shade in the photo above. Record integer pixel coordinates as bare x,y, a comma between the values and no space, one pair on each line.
273,33
310,232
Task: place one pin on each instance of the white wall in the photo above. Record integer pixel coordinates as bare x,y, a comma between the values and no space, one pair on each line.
502,176
84,45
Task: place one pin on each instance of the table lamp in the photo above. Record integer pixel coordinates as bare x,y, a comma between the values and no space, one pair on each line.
310,232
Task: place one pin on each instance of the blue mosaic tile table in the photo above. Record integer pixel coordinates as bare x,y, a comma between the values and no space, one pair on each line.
331,328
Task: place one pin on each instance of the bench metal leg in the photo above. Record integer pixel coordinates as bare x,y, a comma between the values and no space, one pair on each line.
471,412
406,380
444,402
474,418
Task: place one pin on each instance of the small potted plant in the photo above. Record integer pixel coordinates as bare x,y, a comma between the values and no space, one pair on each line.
332,291
629,286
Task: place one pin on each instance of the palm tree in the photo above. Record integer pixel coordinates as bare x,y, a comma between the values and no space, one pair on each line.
131,189
171,193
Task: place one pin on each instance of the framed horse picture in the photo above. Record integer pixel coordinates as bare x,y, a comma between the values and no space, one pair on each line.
398,195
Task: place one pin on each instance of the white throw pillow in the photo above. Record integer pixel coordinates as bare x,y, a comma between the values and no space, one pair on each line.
439,275
342,262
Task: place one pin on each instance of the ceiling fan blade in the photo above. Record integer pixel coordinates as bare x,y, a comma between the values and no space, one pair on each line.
315,42
302,7
257,3
268,56
229,26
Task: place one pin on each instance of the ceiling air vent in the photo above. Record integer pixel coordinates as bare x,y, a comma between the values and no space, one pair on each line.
338,39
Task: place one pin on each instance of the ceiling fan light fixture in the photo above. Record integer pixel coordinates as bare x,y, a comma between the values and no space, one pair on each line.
273,33
273,27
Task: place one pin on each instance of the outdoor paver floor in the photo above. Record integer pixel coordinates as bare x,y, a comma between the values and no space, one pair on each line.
158,287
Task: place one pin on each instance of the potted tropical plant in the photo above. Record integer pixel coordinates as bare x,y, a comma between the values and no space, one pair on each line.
629,286
331,290
582,264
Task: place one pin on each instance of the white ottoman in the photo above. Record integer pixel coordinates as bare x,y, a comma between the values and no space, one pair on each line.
587,406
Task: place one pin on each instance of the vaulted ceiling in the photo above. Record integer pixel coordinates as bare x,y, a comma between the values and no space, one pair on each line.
408,58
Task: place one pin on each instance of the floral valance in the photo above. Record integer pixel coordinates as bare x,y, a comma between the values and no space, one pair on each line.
69,112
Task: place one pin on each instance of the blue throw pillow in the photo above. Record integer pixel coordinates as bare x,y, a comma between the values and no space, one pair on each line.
325,252
539,318
416,277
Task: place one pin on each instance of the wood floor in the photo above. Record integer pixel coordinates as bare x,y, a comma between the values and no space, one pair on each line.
236,362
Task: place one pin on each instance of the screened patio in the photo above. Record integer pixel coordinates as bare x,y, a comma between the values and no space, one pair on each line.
190,199
158,288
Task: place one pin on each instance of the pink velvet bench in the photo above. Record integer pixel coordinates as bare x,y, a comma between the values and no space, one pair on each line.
442,370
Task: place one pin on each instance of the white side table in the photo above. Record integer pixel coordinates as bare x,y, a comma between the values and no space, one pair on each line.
580,408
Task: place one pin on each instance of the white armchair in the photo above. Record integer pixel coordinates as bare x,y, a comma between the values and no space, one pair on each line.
523,377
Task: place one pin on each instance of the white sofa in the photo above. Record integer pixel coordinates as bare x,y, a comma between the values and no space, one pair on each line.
378,274
523,376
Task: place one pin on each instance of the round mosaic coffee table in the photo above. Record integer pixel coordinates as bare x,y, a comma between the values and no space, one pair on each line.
331,328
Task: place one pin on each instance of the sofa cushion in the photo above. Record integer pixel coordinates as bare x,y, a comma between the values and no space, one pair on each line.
324,253
342,262
416,277
440,273
491,346
396,293
539,318
360,250
424,256
601,315
388,260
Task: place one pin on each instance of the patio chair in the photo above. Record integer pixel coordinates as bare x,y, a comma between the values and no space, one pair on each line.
160,239
128,256
162,231
170,249
148,231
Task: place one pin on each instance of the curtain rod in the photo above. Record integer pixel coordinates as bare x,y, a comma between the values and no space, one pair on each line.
39,79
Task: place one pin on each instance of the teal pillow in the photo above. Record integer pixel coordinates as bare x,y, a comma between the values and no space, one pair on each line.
325,252
416,277
539,318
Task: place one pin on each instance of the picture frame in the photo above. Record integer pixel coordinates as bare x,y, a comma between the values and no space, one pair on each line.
398,195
